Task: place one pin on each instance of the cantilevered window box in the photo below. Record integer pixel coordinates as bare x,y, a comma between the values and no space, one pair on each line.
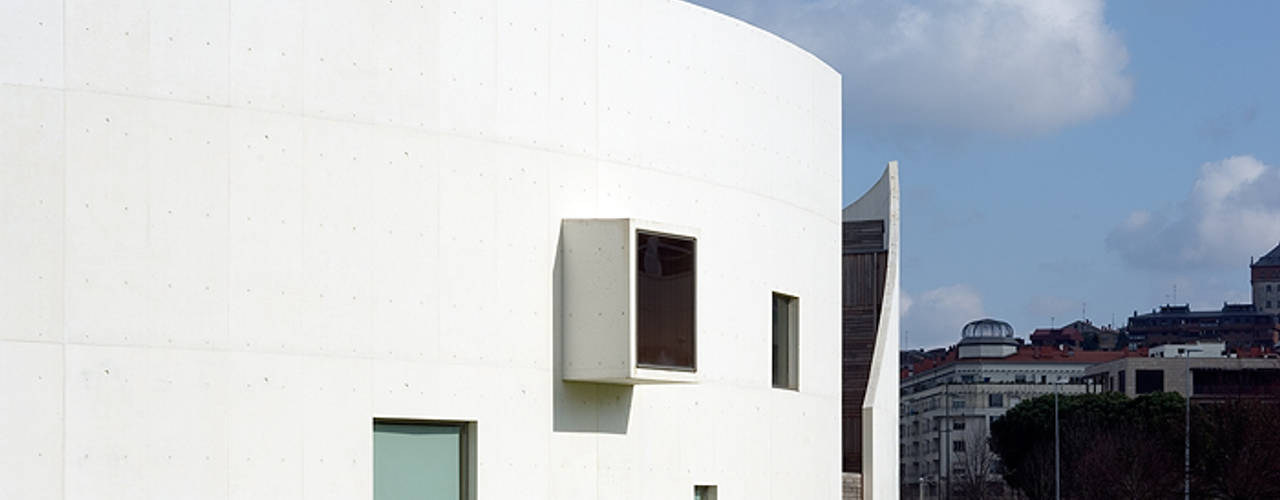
629,290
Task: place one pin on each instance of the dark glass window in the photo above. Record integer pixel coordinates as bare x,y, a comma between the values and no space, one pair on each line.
995,400
784,341
665,309
1148,381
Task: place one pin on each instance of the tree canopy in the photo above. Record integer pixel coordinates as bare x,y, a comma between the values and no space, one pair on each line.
1111,446
1116,447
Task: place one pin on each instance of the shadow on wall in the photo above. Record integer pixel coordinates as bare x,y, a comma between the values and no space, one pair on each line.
580,406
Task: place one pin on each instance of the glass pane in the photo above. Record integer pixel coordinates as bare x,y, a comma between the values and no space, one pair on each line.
418,462
665,301
781,340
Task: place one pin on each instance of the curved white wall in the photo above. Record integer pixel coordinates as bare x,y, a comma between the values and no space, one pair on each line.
235,232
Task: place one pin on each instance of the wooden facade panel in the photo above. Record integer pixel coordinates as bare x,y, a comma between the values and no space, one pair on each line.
863,268
863,236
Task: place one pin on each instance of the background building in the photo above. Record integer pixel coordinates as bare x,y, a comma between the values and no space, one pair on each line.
1240,326
947,407
256,251
1264,278
1216,373
1080,334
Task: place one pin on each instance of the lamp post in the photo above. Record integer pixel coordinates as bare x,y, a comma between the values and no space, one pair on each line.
1057,456
1186,454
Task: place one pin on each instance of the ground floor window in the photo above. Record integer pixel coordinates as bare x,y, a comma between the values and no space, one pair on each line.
420,460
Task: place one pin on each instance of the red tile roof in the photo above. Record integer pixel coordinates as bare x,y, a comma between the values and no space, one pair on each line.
1029,354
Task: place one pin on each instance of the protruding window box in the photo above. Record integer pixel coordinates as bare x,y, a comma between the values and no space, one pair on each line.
629,296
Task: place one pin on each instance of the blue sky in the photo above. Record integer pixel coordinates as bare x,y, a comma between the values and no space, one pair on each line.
1057,157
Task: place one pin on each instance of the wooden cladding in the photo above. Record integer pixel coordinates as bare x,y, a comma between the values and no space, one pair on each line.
863,267
863,236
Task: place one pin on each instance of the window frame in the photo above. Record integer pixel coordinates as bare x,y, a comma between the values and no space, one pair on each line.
467,466
637,234
791,379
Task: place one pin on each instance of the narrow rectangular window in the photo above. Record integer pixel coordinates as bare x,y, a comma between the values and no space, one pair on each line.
427,460
785,341
704,492
665,301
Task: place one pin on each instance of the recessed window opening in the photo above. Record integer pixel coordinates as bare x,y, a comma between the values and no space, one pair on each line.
1146,381
704,492
422,460
665,301
785,341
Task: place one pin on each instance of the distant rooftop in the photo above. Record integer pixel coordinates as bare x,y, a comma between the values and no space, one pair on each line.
1024,354
1228,309
1272,258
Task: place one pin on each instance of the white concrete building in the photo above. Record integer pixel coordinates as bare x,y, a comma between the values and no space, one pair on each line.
277,250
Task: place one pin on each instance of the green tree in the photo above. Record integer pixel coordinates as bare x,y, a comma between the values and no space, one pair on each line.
1235,451
1111,446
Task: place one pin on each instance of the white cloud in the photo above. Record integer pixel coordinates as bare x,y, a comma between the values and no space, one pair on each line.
904,302
1232,212
934,318
998,66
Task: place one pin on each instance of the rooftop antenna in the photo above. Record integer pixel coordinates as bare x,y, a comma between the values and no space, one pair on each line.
1050,322
1084,307
1175,293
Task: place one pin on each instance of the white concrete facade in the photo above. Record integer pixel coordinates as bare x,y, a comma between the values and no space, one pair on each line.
234,233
